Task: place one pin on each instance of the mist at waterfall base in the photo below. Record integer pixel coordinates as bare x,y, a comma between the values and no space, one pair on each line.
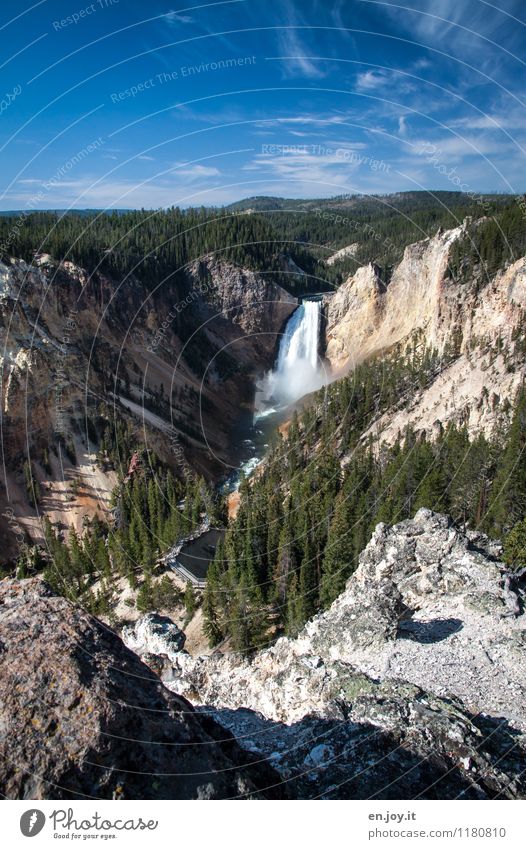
298,368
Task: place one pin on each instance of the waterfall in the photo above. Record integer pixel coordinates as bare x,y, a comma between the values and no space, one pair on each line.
298,369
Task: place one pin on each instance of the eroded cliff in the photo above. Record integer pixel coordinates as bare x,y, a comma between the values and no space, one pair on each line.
478,323
82,353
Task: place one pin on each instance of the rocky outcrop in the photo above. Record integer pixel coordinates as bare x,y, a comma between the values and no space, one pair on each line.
249,300
412,685
414,679
343,253
154,634
82,717
364,318
476,322
356,307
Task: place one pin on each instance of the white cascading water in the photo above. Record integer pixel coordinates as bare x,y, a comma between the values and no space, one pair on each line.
297,370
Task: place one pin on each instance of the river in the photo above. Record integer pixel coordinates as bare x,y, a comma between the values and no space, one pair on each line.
297,372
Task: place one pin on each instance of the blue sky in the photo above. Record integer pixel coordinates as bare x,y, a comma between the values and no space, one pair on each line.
120,103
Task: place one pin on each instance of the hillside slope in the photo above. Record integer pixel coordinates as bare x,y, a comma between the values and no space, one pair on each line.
411,685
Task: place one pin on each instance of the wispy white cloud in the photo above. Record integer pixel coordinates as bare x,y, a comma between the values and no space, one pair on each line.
314,120
300,134
467,30
197,172
436,20
89,192
318,170
175,18
394,79
368,80
497,173
514,119
295,51
336,10
458,148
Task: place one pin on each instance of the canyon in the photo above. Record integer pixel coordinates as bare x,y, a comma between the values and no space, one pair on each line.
409,685
263,421
81,352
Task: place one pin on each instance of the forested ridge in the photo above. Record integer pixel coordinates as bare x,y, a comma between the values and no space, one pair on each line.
489,244
156,246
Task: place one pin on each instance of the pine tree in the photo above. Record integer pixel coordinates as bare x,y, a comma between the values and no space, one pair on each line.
308,579
286,562
338,562
509,489
294,618
515,546
212,606
190,599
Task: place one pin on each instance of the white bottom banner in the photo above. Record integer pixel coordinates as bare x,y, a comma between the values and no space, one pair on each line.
230,825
